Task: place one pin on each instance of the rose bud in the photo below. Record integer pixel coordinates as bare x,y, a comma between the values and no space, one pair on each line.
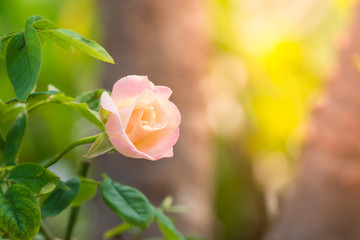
141,121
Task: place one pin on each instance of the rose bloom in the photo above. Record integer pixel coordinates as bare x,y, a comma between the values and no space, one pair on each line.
142,122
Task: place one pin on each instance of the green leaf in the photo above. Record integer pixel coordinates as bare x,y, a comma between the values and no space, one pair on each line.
92,99
14,139
8,114
33,19
53,38
123,227
2,107
87,191
42,95
69,37
42,39
8,36
52,96
127,202
20,213
62,186
23,61
60,198
2,143
4,42
101,145
2,147
35,177
40,98
36,97
83,110
166,226
40,23
167,203
3,46
58,97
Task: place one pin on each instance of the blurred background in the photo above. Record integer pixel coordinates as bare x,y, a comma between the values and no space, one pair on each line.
245,76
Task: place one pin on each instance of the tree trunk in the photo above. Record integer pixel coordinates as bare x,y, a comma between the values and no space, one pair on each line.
325,200
165,40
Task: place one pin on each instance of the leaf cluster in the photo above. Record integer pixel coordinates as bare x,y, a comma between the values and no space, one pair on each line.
22,51
31,192
134,208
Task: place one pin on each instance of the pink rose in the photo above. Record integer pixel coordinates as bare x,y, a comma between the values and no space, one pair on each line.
142,122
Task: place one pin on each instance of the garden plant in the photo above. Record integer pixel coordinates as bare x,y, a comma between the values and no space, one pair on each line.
136,119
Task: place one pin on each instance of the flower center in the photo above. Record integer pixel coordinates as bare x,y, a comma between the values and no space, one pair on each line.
145,119
148,117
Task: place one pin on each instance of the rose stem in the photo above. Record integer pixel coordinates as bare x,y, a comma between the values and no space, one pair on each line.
79,142
36,105
74,212
45,232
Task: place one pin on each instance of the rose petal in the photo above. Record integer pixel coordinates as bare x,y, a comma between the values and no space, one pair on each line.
125,112
148,116
128,89
120,140
108,104
163,91
136,130
172,113
116,131
168,153
127,151
159,142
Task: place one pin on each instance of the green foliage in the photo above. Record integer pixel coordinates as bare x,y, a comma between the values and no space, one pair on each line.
71,38
166,226
23,61
167,206
87,191
14,139
35,177
80,107
62,44
23,53
2,140
20,213
83,110
100,146
24,187
195,238
8,114
37,99
92,99
3,45
2,144
59,199
127,202
5,41
40,23
123,227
